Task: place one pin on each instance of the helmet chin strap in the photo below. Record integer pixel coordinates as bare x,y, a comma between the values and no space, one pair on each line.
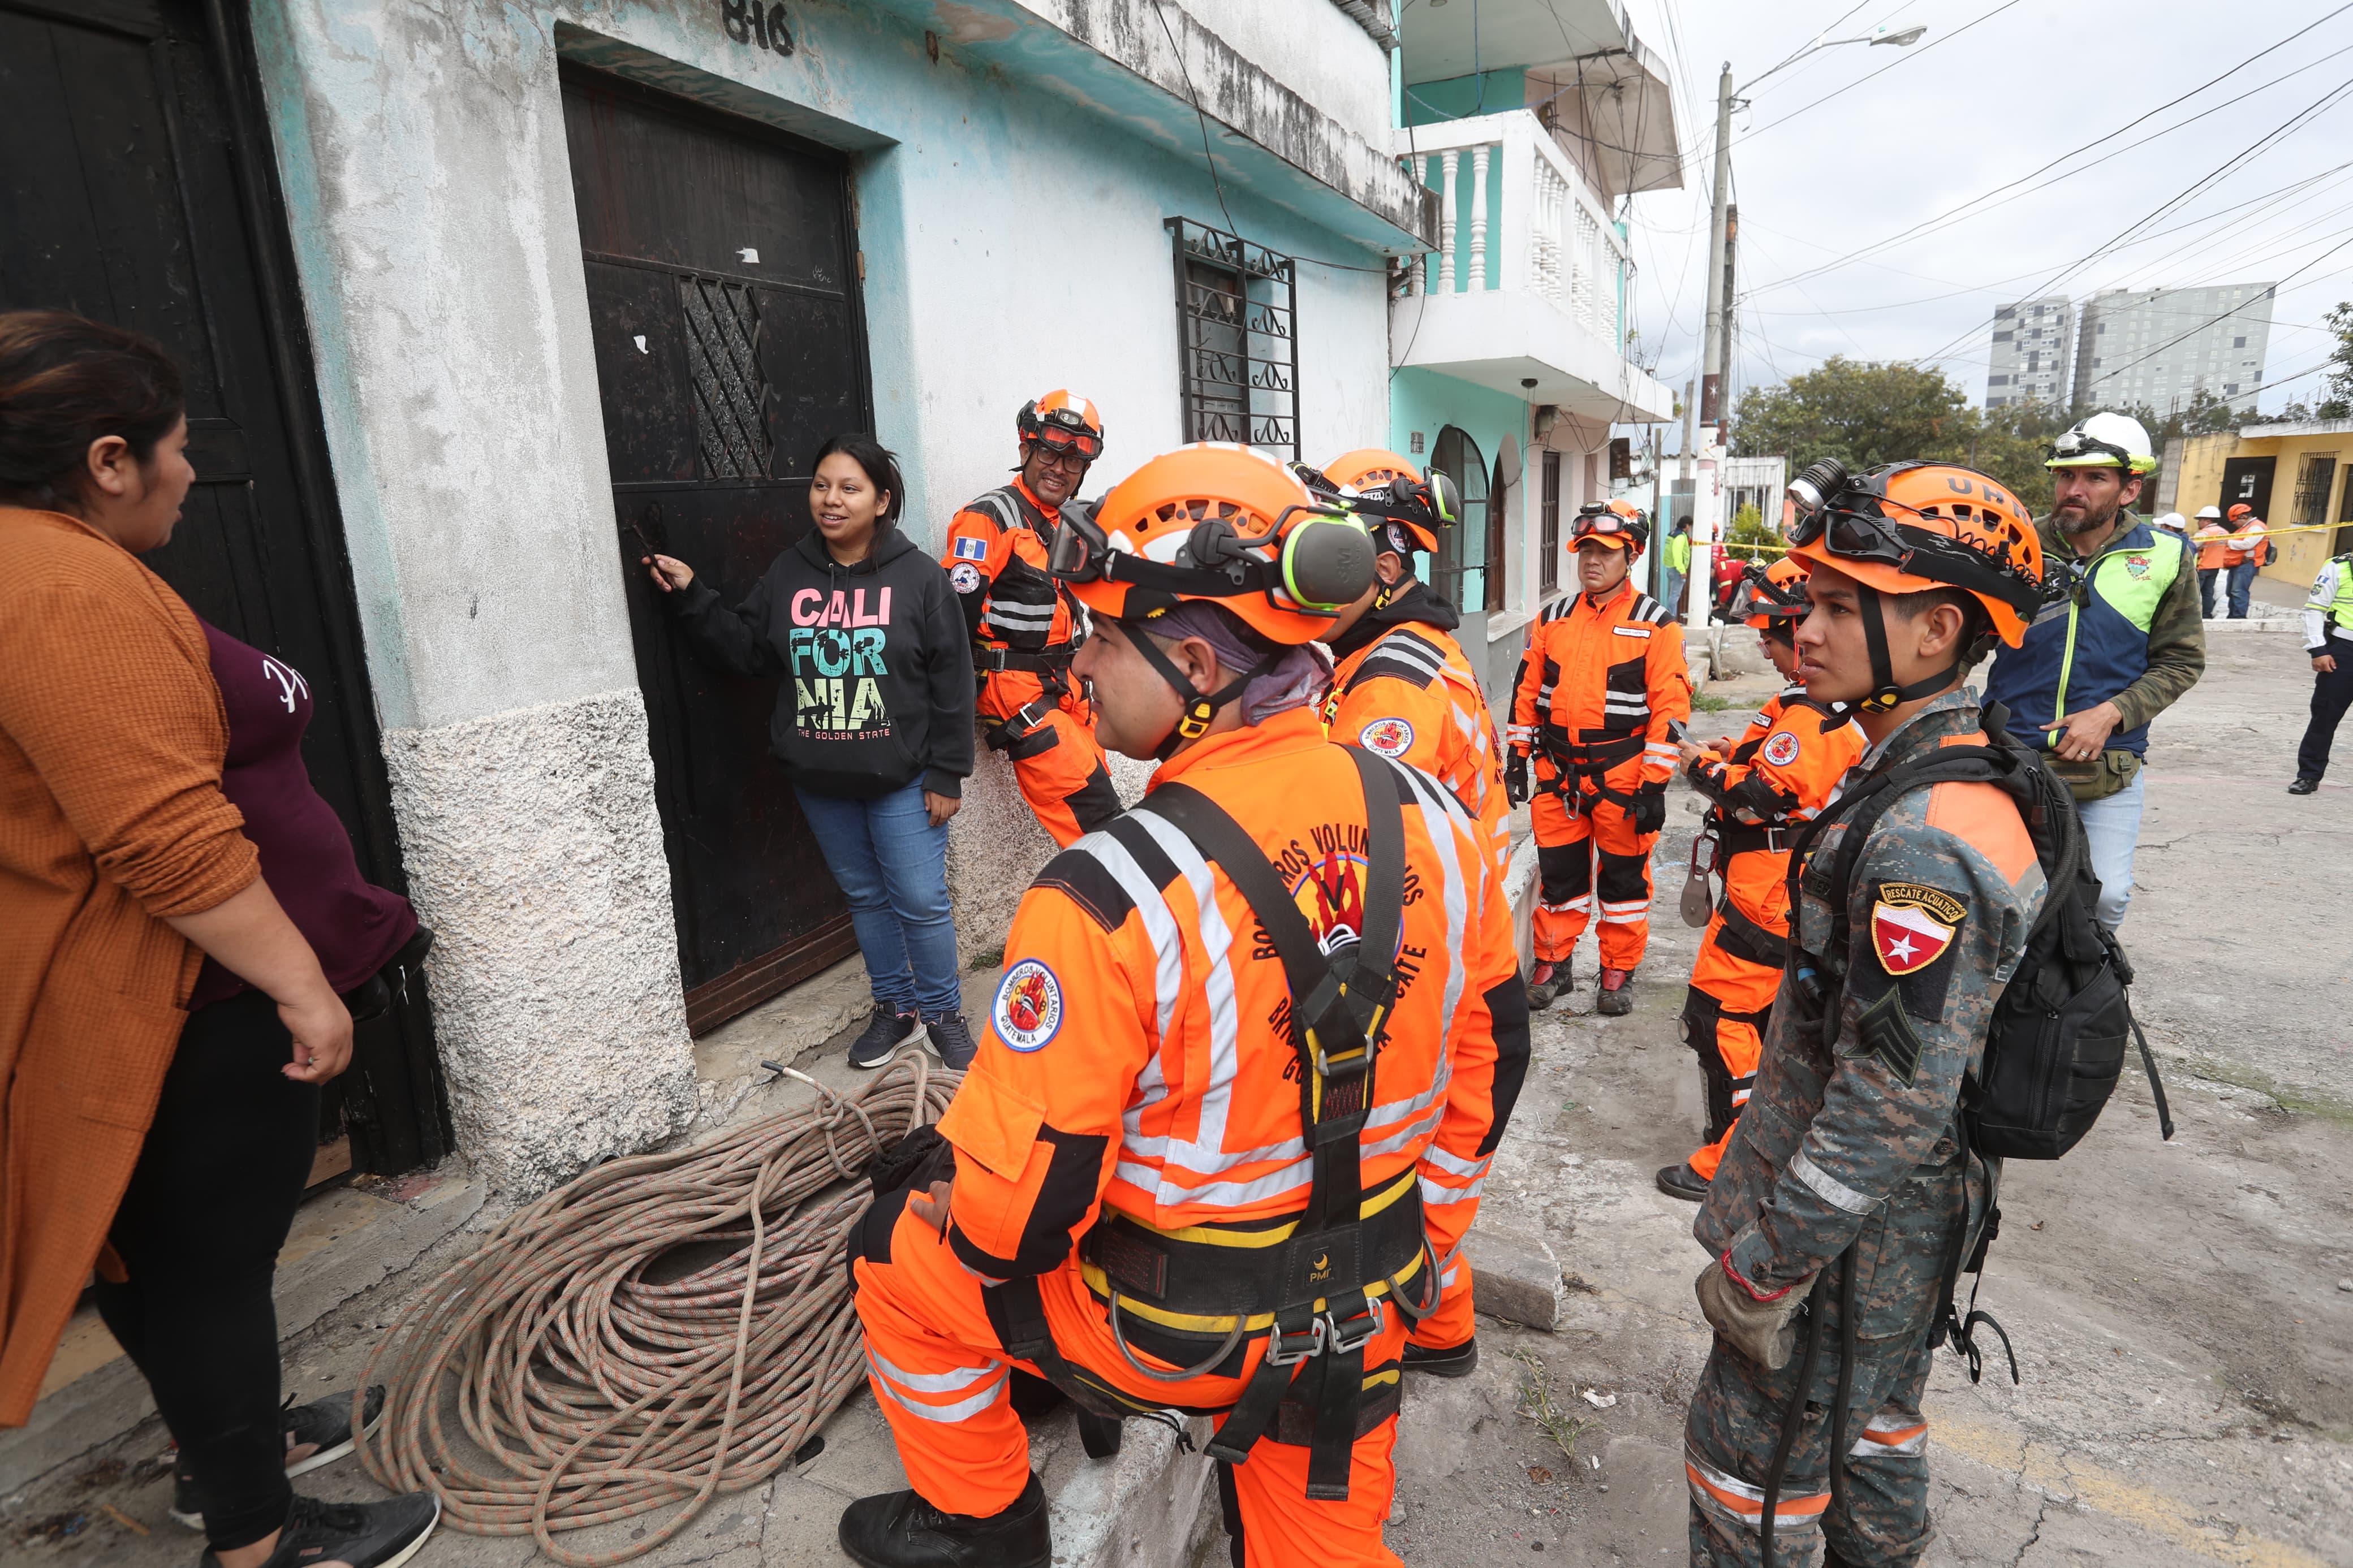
1885,693
1200,709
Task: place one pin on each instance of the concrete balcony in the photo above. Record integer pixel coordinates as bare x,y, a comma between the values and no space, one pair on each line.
1530,277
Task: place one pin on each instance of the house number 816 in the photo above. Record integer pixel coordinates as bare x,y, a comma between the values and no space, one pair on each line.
750,22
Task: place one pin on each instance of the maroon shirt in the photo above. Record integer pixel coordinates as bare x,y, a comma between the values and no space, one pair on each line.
306,856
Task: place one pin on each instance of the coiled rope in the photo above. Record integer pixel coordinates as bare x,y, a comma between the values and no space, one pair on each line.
599,1390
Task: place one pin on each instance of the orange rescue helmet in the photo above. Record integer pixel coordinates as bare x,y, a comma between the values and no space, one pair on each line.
1369,467
1403,508
1616,523
1909,528
1223,524
1062,421
2240,510
1772,598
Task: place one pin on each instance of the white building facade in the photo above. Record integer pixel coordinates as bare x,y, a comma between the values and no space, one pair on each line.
2160,348
581,273
2034,352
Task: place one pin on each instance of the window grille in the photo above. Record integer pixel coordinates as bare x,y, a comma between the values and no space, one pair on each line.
731,390
1238,339
1548,574
2312,487
1459,574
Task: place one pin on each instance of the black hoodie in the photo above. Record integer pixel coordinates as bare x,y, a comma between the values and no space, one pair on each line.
1409,604
878,683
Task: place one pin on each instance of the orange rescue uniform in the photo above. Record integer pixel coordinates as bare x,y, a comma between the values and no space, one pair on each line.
1777,777
1138,1084
1598,688
1411,695
1022,627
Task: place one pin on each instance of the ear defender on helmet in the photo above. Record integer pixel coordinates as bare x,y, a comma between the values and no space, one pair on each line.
1326,560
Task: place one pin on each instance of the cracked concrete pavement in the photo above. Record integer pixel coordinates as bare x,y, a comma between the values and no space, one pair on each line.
2186,1351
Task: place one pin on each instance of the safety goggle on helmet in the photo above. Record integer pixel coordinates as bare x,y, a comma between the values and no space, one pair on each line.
1615,522
1061,421
1405,511
1219,522
1772,598
1913,526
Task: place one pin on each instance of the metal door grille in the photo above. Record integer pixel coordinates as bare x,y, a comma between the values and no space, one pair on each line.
731,390
1237,338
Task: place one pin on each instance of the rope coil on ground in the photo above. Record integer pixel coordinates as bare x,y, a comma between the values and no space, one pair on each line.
596,1392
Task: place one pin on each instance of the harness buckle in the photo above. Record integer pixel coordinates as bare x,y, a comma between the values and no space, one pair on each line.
1279,1341
1357,1331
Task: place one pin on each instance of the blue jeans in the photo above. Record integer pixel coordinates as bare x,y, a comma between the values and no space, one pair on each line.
2243,584
1670,591
2111,829
892,865
2208,577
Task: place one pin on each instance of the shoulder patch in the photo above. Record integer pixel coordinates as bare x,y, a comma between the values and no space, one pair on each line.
967,547
1388,737
1884,1031
1027,1013
1781,748
1913,925
964,576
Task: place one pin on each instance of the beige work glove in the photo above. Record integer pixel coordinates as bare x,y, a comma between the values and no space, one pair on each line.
1759,1324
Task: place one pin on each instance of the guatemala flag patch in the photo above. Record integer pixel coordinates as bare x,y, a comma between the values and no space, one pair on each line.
971,550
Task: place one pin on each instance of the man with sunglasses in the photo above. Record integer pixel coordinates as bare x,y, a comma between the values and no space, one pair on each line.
1847,1189
1602,683
2118,639
1024,631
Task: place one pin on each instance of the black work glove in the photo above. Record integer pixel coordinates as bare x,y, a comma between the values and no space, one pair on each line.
1650,813
1516,778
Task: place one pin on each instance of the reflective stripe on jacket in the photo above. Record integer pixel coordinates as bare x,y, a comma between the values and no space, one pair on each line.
1138,1052
2097,647
1412,695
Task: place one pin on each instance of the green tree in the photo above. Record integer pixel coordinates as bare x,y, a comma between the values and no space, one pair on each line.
1863,412
1753,538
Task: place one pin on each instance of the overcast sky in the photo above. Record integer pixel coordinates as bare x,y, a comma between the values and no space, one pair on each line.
1920,131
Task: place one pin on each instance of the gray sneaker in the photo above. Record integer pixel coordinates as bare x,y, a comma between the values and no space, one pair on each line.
317,1434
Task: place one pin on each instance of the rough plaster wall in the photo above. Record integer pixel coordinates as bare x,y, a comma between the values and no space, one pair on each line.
556,982
1312,48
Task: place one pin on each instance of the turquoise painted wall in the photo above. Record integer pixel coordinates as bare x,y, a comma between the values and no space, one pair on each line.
1423,403
1457,97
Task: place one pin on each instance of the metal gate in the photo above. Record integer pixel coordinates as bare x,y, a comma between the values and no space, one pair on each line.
136,187
722,294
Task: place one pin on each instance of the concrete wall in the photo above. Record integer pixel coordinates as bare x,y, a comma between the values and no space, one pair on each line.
1012,241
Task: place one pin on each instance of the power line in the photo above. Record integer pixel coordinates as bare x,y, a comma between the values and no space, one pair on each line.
1909,55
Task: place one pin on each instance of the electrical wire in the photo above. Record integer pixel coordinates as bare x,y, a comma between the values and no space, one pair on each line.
1909,55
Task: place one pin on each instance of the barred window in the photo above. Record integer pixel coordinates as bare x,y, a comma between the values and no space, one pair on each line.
1237,338
1548,546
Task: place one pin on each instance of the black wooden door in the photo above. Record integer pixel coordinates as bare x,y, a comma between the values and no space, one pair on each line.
723,291
136,187
2248,481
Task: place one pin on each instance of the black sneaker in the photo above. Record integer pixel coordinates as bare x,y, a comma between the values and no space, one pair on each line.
317,1434
885,1033
363,1534
900,1529
1454,1361
952,1037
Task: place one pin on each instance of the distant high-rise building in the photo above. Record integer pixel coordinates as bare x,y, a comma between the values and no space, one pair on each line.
2033,343
2158,348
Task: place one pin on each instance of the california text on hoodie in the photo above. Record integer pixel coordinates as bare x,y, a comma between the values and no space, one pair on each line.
875,659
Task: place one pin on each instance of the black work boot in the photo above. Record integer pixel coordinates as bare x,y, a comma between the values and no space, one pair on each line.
1454,1361
2304,786
1683,1181
1548,981
1616,998
900,1529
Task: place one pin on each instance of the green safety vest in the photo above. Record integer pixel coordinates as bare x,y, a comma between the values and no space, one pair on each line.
2340,610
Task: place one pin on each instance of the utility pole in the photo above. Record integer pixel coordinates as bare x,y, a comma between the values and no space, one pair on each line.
1691,485
1710,362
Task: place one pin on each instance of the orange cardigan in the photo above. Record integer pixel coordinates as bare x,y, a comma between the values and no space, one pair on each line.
111,818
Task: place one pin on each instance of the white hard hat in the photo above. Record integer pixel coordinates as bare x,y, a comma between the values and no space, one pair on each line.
2103,441
2213,512
2171,519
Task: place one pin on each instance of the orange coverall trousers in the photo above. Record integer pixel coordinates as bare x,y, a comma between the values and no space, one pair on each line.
1588,855
940,1376
1723,988
1059,765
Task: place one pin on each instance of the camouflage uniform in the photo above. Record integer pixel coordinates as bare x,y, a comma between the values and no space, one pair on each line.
1854,1144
